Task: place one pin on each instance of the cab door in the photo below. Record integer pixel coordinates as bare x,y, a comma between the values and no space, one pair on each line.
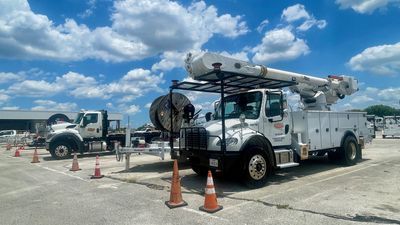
276,122
91,126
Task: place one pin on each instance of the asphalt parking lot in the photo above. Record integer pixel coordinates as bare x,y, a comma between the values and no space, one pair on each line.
317,192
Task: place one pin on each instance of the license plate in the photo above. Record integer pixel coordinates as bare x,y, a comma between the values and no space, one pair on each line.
214,162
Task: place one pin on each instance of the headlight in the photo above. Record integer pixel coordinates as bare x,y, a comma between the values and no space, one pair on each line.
228,141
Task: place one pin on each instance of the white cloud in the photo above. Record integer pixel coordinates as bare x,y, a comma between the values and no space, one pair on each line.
366,6
238,55
298,12
75,80
295,12
43,105
89,11
148,105
132,109
279,44
310,23
262,25
169,61
134,84
4,98
127,98
40,88
135,33
90,91
390,94
10,108
361,99
371,96
381,60
34,88
8,77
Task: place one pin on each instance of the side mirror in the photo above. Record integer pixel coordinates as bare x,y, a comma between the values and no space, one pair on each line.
208,116
84,122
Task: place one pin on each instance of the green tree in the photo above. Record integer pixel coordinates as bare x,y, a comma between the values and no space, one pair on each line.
382,110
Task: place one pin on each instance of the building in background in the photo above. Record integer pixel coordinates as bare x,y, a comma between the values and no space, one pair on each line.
36,121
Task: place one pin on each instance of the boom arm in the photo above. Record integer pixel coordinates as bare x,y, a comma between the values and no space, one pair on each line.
316,93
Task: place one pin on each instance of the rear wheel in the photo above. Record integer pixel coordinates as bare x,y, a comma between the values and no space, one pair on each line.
257,168
350,151
61,150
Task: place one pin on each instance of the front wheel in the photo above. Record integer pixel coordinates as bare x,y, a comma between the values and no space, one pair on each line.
350,151
61,150
257,168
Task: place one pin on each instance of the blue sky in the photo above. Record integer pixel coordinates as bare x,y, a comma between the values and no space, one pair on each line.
121,55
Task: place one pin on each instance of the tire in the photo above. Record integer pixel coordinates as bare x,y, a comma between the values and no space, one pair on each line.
350,151
61,150
200,170
257,167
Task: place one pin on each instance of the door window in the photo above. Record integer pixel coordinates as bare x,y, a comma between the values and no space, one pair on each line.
91,118
274,106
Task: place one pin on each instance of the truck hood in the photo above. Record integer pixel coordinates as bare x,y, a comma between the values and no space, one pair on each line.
52,134
215,127
62,126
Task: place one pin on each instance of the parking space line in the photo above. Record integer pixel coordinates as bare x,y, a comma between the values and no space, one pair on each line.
61,172
308,184
203,214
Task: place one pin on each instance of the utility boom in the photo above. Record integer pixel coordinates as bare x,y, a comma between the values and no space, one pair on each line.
316,93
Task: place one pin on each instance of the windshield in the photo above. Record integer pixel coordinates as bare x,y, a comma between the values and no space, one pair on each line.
248,104
79,118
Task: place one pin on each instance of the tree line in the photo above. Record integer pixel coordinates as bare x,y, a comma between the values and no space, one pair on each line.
379,110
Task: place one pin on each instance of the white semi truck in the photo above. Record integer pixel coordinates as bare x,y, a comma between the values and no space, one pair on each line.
253,130
88,133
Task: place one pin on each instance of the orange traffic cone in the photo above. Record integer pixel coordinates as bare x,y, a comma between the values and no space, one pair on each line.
210,201
35,158
97,174
75,164
175,198
17,154
8,147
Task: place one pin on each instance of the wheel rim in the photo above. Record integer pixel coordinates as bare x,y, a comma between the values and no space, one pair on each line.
351,151
61,151
257,167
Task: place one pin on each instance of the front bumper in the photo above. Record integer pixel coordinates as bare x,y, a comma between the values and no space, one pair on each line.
212,159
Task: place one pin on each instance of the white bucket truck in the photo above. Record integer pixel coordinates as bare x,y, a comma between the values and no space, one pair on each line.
391,126
253,129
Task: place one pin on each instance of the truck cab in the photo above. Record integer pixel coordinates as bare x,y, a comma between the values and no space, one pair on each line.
258,111
90,124
88,132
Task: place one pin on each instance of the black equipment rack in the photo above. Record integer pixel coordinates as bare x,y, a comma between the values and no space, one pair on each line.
224,82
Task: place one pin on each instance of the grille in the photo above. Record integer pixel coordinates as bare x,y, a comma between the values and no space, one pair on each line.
195,138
